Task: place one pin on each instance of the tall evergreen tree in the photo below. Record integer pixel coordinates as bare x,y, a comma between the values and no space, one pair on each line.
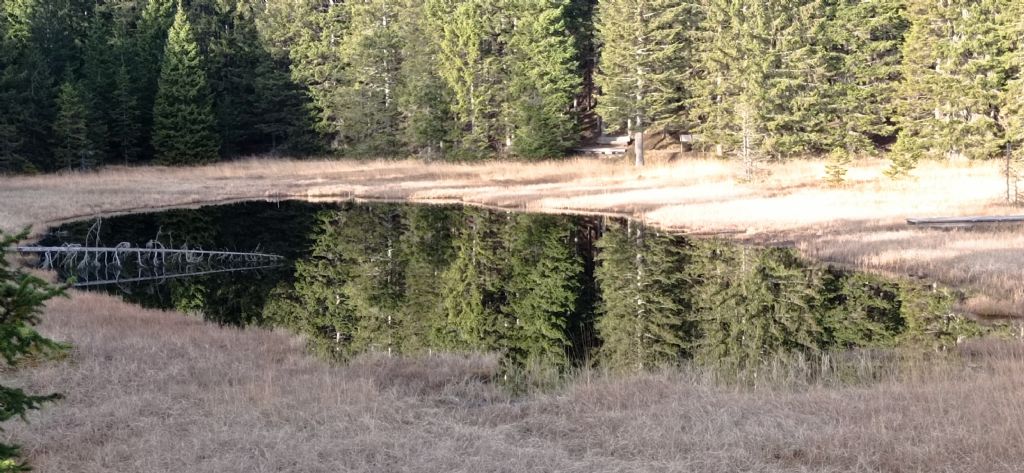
74,149
184,126
424,99
865,41
27,95
125,128
645,63
472,287
318,65
544,80
953,69
1012,111
368,107
473,35
149,42
763,88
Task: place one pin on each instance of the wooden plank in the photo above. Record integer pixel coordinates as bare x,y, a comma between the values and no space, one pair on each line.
966,220
600,150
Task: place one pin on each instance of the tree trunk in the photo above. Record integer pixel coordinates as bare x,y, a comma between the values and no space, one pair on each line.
638,147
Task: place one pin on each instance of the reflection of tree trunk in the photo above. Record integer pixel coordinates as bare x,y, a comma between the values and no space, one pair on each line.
640,310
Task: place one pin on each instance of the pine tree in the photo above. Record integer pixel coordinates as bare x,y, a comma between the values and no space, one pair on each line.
645,64
22,297
424,99
148,43
762,91
953,69
865,40
367,107
27,94
542,290
74,148
472,36
1012,110
754,305
471,288
543,80
184,126
318,65
643,318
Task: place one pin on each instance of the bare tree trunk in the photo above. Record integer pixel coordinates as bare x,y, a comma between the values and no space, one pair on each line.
638,146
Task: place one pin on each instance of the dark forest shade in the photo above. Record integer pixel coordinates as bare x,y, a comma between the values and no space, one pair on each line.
467,79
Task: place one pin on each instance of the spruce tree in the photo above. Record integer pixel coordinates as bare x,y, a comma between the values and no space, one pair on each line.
424,100
184,126
472,287
148,43
428,250
472,37
318,65
73,147
367,106
125,128
27,93
953,72
865,41
645,64
1012,111
544,80
763,80
22,297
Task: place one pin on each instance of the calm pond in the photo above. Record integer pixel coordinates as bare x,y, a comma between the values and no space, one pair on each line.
541,290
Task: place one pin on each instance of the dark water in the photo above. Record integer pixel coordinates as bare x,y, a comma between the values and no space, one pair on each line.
543,291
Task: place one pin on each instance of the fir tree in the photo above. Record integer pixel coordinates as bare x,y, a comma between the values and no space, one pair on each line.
472,37
428,250
367,105
184,126
953,69
1012,111
865,41
645,63
149,42
543,80
424,99
22,297
754,305
74,149
762,91
471,288
318,65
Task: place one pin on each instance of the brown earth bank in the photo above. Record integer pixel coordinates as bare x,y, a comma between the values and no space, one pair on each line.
860,224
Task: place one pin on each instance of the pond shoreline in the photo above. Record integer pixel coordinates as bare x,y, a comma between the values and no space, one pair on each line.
858,226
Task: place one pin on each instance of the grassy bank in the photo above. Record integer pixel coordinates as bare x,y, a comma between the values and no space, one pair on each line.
153,391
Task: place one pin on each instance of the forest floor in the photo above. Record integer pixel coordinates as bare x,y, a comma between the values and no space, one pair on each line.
159,392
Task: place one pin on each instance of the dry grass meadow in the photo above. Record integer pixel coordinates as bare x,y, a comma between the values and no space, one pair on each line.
158,392
155,391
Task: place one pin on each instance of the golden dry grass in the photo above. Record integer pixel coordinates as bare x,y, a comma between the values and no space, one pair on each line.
860,224
156,392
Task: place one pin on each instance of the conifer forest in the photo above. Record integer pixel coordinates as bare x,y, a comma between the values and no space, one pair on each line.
85,83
